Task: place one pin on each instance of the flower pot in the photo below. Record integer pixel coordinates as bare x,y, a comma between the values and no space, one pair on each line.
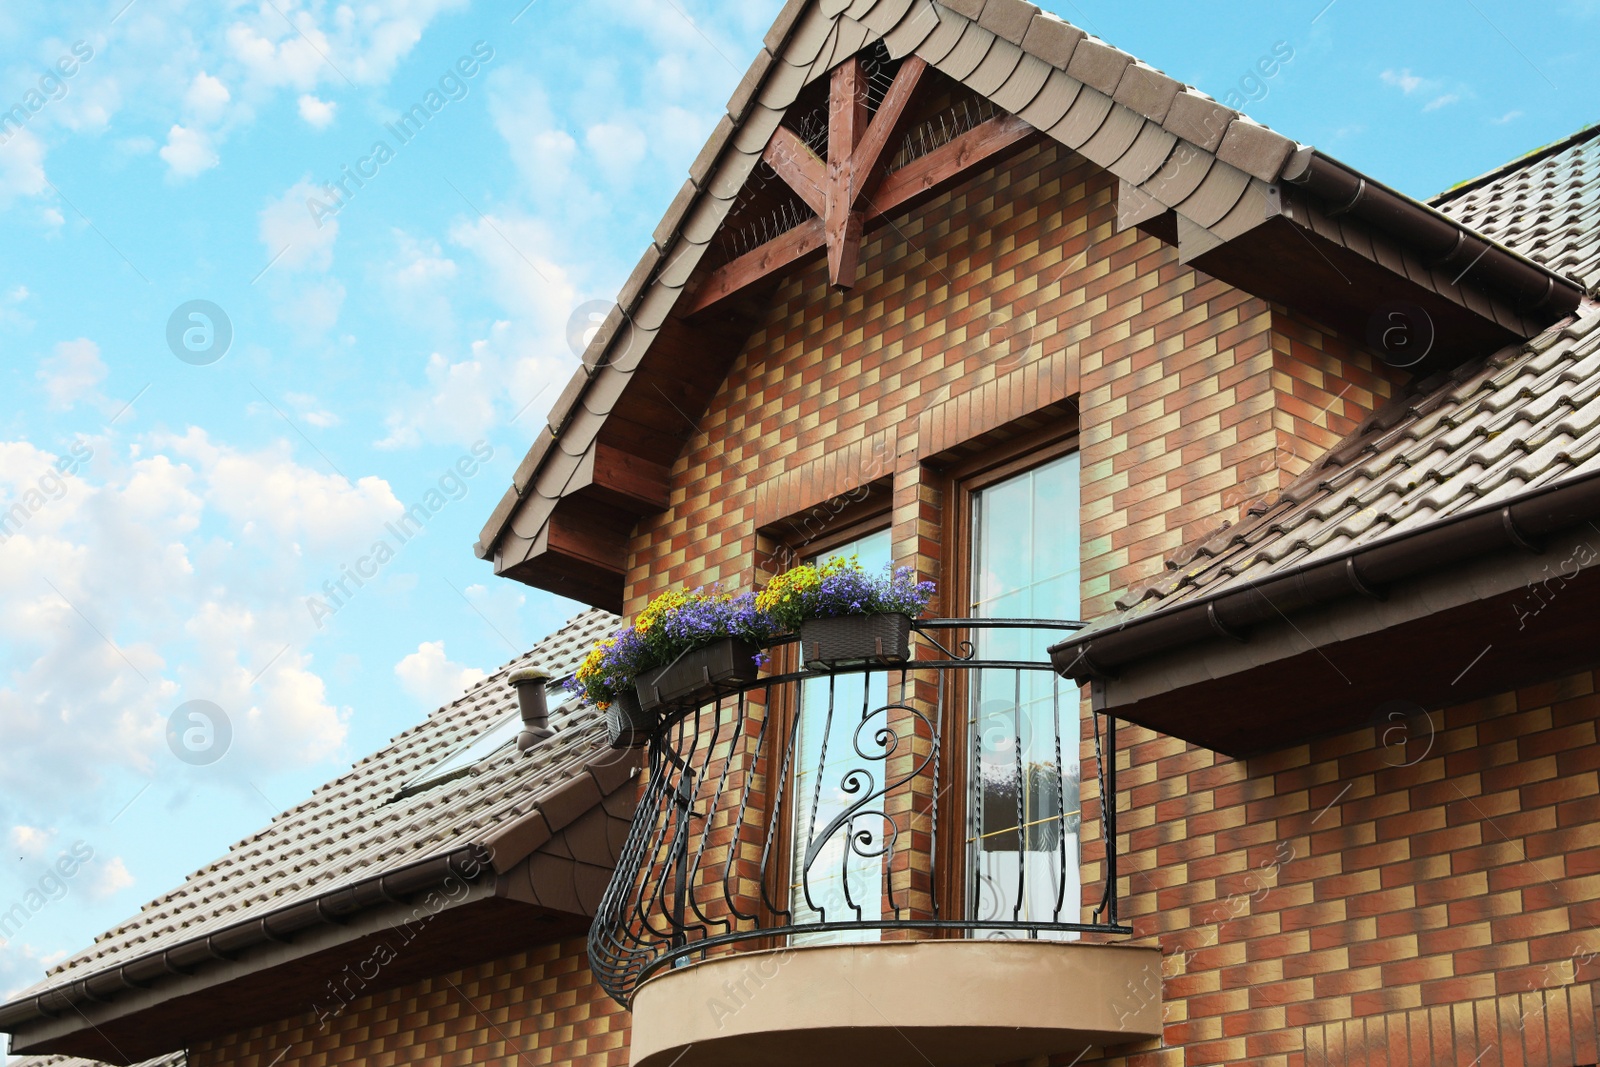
698,676
848,640
627,724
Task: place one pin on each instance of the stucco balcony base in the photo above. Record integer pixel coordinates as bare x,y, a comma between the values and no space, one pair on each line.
898,1003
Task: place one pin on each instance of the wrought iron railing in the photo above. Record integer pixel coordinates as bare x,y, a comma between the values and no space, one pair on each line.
813,806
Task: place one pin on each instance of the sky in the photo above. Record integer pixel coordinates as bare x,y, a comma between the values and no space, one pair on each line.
250,314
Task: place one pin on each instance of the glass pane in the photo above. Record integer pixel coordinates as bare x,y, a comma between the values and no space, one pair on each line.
833,772
1023,829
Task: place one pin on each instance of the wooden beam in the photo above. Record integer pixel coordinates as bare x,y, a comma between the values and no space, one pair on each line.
782,251
798,166
921,178
847,123
868,157
935,170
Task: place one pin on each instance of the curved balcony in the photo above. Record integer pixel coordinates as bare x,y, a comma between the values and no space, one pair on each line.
826,817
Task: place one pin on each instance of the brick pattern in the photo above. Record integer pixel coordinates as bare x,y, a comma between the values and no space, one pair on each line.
536,1007
1308,900
1547,1026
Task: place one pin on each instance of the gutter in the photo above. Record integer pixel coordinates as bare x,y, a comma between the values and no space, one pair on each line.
1442,241
334,907
1366,570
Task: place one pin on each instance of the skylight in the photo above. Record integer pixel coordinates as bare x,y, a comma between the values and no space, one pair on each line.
460,762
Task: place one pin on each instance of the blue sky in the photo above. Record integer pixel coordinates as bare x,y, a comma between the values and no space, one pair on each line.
179,512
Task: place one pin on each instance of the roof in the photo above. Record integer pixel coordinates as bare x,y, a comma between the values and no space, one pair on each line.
1496,431
354,828
1545,205
1174,148
171,1059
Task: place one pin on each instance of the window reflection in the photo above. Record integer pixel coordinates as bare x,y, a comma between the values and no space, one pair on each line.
1023,826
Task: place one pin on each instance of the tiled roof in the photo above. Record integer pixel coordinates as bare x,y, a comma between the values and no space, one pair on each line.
353,828
1525,419
171,1059
1545,206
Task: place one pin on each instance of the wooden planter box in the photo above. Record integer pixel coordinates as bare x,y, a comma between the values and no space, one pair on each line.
627,724
848,640
698,676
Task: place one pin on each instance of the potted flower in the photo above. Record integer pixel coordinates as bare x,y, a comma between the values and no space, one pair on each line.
606,680
700,643
844,615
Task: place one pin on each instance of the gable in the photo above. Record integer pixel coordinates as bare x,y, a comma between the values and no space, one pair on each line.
1237,199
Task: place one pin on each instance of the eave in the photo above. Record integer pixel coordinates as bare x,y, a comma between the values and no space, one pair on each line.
1397,620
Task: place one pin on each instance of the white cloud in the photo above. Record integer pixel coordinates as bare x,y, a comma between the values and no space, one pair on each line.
207,98
71,373
362,43
268,494
1509,116
507,374
318,114
21,167
1441,101
433,678
288,226
188,152
618,148
30,842
107,877
1403,80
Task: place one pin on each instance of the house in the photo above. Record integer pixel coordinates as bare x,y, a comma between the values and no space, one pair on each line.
1290,475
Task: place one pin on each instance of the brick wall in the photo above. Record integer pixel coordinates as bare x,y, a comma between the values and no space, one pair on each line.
536,1007
1010,293
1425,891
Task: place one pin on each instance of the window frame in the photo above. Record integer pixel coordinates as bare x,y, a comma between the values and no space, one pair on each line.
961,480
866,521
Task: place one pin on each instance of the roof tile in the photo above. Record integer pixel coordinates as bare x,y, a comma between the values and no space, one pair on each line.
1098,64
1008,18
745,91
1254,149
668,226
1147,91
1051,39
1198,119
1545,206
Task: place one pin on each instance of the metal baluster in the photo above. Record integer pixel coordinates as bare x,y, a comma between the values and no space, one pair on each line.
728,893
1022,788
775,818
816,799
1109,807
1061,793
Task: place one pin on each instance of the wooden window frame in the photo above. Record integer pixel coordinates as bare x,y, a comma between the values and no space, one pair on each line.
961,480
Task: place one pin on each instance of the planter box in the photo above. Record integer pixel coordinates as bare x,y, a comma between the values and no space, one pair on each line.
698,676
627,724
849,640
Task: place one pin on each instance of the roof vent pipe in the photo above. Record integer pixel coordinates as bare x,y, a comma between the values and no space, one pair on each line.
529,682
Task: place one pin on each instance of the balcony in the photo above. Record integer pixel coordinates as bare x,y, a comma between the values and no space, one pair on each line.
809,873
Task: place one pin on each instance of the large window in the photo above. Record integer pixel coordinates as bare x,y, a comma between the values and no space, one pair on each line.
1022,826
830,881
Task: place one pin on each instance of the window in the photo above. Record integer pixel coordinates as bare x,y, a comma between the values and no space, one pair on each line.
1022,824
836,714
460,762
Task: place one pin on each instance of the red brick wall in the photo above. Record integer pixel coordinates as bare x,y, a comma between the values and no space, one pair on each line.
1428,888
536,1007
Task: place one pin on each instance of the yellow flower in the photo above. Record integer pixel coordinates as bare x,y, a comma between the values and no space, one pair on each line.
672,598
